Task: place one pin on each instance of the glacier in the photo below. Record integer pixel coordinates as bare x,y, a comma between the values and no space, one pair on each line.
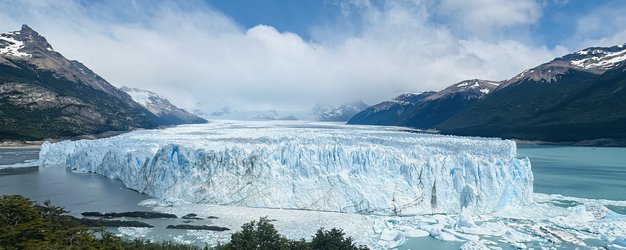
308,166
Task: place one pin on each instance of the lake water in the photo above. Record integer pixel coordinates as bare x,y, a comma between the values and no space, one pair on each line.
76,192
585,172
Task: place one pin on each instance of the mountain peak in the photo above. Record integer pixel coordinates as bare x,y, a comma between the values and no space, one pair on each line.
598,59
595,60
24,43
26,28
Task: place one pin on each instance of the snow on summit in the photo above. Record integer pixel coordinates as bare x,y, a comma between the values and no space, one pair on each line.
10,46
598,58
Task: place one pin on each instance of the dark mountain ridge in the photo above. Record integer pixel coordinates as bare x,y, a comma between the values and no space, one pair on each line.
577,97
426,109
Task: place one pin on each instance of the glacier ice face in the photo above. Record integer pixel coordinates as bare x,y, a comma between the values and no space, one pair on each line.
316,166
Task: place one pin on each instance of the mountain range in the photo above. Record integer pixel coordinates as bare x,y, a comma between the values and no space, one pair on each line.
329,113
576,97
341,113
45,95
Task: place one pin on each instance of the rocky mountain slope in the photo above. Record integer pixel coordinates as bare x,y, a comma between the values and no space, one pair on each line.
580,96
427,109
161,107
389,112
45,95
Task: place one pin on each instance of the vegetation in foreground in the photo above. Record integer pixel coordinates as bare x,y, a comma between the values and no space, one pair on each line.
263,235
27,225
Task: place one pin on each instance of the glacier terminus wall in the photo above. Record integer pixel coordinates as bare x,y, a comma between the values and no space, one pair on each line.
300,165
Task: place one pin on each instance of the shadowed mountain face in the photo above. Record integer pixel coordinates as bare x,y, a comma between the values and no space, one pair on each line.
585,99
45,95
426,109
580,96
389,112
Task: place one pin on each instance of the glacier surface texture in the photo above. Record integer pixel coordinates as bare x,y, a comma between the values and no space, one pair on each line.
314,166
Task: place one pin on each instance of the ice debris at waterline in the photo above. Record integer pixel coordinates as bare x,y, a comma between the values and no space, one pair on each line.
550,222
315,166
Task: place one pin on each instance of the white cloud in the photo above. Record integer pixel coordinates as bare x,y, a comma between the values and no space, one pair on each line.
483,17
192,53
603,26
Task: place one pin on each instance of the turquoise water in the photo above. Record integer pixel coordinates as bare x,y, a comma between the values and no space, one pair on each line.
585,172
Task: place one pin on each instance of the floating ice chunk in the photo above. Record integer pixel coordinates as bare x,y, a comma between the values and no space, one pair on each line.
133,232
578,215
613,215
560,235
474,245
411,231
25,164
465,220
619,243
390,235
316,166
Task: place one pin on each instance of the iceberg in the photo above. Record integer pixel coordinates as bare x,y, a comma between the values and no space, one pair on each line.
310,166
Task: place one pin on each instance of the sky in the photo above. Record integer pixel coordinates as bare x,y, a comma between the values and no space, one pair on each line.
291,55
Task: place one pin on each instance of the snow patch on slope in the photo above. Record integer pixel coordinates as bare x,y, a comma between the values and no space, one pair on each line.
600,60
11,46
142,97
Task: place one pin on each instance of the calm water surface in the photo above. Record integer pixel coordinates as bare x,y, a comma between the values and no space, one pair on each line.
586,172
76,192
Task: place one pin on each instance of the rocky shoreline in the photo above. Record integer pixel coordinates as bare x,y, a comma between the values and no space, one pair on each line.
106,220
135,214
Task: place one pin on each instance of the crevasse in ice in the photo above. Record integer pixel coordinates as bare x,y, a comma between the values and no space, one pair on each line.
316,166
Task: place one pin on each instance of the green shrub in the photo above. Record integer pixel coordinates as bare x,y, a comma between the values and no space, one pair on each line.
262,235
333,239
257,235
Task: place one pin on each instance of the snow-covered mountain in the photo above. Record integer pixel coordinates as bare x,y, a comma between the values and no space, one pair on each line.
341,113
594,60
43,94
313,166
161,107
598,59
218,111
26,45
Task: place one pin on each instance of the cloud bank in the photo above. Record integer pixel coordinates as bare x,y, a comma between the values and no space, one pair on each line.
192,53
